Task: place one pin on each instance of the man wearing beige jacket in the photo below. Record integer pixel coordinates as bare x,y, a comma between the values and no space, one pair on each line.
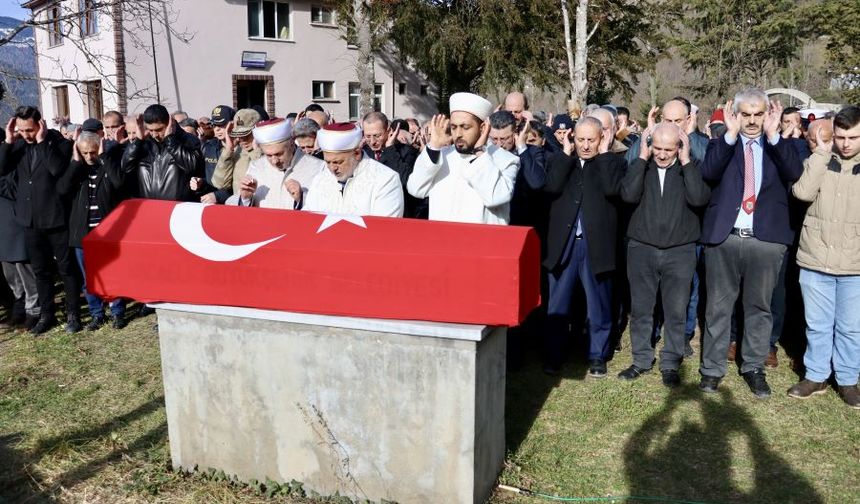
829,258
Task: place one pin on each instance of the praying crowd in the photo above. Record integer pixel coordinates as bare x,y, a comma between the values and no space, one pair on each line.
637,223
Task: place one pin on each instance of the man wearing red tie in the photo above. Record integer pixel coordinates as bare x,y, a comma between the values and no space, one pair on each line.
746,231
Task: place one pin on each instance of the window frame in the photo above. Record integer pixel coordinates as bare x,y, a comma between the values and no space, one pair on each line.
261,30
88,19
54,15
91,87
321,8
323,97
56,91
378,98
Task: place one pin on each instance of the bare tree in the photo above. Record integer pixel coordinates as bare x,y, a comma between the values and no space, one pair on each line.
134,20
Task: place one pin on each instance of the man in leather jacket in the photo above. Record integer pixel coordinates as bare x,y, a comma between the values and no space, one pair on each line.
165,159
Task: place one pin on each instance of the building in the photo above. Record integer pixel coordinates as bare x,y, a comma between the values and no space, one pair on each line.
192,55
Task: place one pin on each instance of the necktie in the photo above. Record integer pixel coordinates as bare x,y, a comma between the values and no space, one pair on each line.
749,179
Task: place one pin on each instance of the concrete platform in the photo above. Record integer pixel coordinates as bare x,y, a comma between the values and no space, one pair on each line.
372,409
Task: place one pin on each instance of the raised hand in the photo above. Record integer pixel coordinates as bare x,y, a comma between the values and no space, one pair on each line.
606,140
692,122
438,132
485,135
229,141
294,188
121,135
644,148
731,120
42,132
549,118
196,183
652,118
11,132
684,151
208,198
772,119
523,134
821,144
171,127
141,128
392,136
101,146
566,144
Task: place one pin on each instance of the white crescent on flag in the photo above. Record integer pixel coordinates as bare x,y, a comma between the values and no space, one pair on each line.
186,227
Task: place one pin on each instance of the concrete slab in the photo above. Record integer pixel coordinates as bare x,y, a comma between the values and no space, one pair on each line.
358,407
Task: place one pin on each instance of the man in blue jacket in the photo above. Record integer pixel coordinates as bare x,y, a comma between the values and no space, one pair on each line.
746,231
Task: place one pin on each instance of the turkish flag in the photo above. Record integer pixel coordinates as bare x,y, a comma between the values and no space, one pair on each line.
374,267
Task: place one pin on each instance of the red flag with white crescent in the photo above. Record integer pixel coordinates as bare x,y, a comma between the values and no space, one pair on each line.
373,267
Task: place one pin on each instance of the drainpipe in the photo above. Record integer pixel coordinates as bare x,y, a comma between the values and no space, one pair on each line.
119,56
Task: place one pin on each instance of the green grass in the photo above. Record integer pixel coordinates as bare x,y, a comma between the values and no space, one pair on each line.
82,420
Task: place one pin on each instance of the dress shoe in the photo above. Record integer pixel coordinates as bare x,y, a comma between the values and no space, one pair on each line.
709,384
671,378
17,319
632,372
597,368
119,322
31,321
145,311
96,323
733,350
772,361
807,388
757,383
45,324
850,394
73,324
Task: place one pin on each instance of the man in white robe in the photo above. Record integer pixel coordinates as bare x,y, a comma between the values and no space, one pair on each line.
466,181
278,178
353,184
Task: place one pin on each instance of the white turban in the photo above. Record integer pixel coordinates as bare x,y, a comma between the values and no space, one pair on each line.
272,131
339,137
471,103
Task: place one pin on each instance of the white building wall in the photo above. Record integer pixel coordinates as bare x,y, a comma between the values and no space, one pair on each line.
198,74
67,62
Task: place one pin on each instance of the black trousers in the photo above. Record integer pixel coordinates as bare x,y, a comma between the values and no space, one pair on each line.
48,247
670,271
755,264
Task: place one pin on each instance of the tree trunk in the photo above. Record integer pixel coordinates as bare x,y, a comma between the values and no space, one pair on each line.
119,56
364,65
568,48
580,84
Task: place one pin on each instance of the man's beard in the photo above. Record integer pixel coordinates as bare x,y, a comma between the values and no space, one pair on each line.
465,149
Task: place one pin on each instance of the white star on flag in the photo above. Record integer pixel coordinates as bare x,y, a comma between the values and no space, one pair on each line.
332,219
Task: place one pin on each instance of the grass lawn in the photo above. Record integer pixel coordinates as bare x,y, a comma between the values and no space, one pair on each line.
82,420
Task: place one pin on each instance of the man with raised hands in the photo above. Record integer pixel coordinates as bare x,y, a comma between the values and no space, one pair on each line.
466,181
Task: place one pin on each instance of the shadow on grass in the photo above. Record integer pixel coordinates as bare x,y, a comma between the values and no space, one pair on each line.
708,461
20,483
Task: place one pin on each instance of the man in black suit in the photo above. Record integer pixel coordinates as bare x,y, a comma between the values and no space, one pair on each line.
581,240
40,156
667,190
746,231
391,145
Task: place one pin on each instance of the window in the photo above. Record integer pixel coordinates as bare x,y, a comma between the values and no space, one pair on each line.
355,98
322,15
323,90
401,88
269,19
88,18
95,106
424,89
61,101
55,26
